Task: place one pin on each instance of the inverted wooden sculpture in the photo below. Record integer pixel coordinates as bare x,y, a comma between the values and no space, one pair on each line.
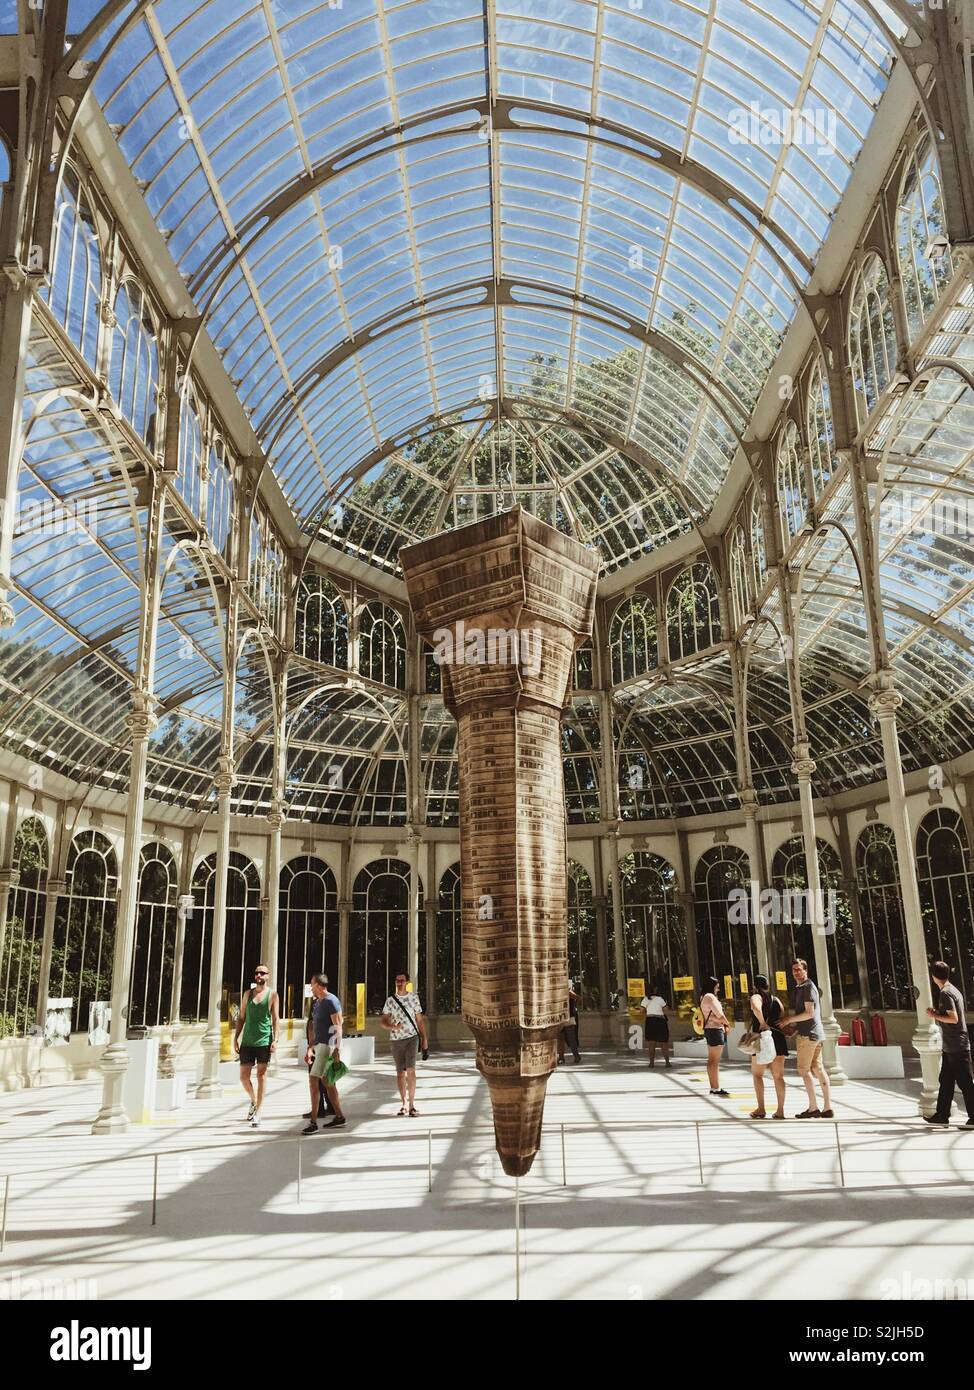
505,602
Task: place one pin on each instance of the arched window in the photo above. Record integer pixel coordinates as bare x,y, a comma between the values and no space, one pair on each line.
881,909
656,944
378,930
21,959
265,583
725,939
740,586
791,932
692,612
583,944
219,497
134,373
84,926
321,622
792,493
448,970
382,645
947,893
75,291
633,640
580,743
759,555
150,998
922,247
821,431
189,476
307,933
872,335
242,938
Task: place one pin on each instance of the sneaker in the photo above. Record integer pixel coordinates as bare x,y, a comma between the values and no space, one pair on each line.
251,1111
336,1123
724,1094
940,1124
312,1128
255,1122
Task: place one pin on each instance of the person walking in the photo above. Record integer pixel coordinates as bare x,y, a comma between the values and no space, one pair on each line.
950,1015
766,1013
807,1022
657,1027
716,1026
255,1038
326,1032
402,1014
325,1106
569,1030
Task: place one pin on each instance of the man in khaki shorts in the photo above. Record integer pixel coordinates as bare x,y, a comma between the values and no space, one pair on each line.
807,1023
324,1041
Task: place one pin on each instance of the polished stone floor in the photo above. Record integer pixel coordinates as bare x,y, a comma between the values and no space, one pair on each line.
646,1187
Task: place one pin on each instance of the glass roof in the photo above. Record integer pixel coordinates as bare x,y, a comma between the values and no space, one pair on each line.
395,213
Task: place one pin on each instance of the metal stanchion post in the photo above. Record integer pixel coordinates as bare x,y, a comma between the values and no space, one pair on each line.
300,1147
564,1165
838,1149
517,1238
696,1125
6,1197
155,1185
429,1160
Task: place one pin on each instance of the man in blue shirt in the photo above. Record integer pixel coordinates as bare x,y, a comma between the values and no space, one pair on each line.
324,1041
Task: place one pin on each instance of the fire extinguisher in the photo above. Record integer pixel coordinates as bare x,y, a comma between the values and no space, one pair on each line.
858,1032
878,1025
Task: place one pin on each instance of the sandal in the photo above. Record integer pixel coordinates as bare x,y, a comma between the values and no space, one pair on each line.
401,1111
413,1113
758,1115
779,1115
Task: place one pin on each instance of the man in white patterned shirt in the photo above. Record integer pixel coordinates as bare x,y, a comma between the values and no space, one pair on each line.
402,1014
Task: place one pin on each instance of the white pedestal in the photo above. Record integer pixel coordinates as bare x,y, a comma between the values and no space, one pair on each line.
733,1038
871,1063
170,1093
358,1052
694,1049
139,1087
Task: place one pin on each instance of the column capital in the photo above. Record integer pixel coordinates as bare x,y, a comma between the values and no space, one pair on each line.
225,776
277,814
803,766
345,905
55,887
141,720
884,702
9,878
750,805
7,615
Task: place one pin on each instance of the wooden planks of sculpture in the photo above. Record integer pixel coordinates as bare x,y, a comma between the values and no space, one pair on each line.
505,602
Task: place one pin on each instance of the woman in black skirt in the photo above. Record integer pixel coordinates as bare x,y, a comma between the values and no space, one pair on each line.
657,1029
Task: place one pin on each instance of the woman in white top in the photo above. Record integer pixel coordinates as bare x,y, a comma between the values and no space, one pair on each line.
657,1029
716,1026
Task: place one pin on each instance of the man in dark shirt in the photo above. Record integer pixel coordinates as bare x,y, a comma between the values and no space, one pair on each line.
955,1063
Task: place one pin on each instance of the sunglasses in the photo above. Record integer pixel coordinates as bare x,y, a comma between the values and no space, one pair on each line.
260,974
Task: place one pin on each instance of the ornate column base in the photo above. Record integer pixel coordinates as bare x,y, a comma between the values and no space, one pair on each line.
926,1042
830,1056
210,1087
111,1118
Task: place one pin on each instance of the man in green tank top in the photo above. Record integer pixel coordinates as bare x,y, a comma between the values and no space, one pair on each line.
255,1037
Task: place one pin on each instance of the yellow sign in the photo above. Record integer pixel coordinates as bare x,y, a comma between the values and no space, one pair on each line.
360,1008
780,980
635,989
728,986
743,983
226,1042
681,983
